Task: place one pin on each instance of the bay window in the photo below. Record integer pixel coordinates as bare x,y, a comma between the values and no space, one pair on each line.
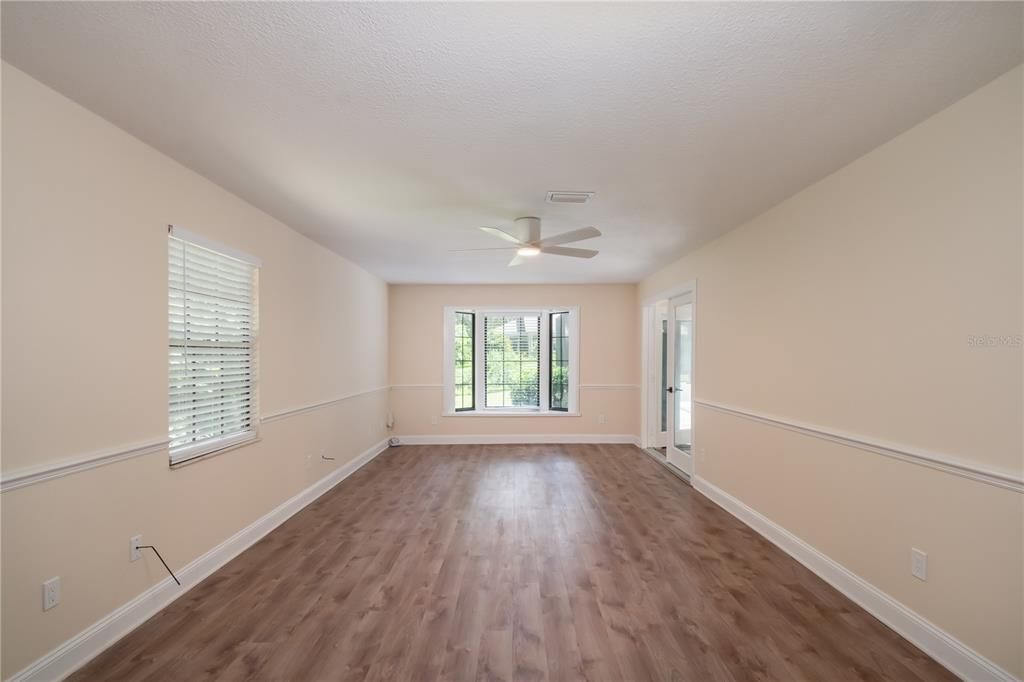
501,361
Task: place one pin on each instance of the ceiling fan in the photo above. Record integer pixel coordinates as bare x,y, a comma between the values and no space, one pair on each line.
529,244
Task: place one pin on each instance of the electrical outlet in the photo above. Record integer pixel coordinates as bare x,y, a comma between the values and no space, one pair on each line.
918,564
434,420
133,548
51,593
601,419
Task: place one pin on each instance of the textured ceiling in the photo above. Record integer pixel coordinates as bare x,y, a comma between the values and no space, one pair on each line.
388,132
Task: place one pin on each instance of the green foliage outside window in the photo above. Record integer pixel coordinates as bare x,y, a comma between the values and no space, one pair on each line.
512,361
464,358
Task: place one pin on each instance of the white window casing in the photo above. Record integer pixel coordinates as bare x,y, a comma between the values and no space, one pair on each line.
212,346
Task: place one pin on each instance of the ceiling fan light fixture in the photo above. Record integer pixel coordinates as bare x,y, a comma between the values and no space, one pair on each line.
528,242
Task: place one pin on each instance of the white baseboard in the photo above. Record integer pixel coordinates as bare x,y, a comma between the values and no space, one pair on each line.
937,643
86,645
519,439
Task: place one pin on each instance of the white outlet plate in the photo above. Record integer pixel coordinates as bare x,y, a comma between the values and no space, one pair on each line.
133,548
51,593
918,564
434,420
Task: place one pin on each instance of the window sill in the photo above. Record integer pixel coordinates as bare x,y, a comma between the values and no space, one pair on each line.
511,413
193,454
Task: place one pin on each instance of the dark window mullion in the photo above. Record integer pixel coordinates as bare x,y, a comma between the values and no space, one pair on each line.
560,363
472,356
461,339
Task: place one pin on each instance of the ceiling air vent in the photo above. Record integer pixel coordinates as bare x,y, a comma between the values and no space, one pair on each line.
569,197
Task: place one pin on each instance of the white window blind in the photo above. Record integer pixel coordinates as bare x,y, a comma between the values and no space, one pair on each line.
512,360
212,327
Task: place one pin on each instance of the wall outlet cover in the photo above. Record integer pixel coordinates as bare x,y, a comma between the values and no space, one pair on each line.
133,548
918,564
51,593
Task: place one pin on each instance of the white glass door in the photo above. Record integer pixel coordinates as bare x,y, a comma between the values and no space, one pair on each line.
680,388
661,435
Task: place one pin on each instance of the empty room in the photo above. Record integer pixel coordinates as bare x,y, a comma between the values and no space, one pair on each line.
607,341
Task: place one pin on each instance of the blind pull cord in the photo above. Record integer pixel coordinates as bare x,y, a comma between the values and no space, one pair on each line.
157,552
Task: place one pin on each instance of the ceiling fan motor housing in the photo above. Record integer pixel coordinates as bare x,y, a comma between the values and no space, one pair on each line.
529,225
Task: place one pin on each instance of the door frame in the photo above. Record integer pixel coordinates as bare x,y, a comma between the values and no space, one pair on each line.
650,362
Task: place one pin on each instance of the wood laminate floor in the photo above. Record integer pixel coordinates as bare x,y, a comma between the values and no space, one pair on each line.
509,562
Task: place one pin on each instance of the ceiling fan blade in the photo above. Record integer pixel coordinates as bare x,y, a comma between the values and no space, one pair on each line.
573,236
493,248
517,260
566,251
501,234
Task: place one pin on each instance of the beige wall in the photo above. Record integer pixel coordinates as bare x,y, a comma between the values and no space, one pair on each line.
609,358
85,365
849,306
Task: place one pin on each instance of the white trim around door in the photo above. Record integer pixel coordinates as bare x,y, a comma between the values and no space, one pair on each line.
650,393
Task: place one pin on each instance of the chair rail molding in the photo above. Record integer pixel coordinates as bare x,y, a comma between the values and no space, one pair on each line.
274,416
932,460
73,465
46,472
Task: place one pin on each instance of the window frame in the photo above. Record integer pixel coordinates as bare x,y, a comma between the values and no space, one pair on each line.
568,335
190,452
480,314
473,360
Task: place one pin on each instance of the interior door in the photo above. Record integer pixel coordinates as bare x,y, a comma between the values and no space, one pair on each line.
680,388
